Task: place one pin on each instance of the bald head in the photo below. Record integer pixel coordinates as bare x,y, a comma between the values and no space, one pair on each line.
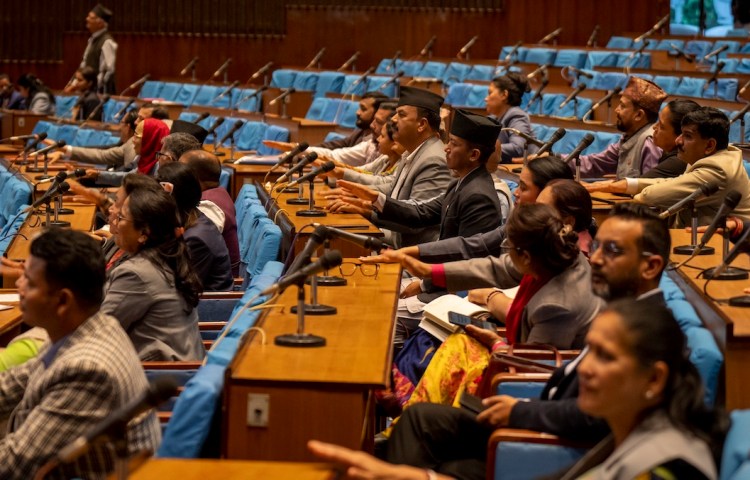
205,166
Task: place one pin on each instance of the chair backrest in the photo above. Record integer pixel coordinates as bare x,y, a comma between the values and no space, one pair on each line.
204,95
412,68
317,107
276,133
187,93
348,88
64,105
388,66
455,72
540,56
375,82
306,81
283,78
570,58
250,135
520,55
698,47
610,80
481,72
170,91
151,89
249,105
691,87
329,82
433,70
668,83
723,89
735,462
621,43
601,59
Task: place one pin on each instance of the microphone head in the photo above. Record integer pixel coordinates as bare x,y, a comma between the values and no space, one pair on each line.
291,90
616,90
327,167
238,124
302,146
330,259
63,187
559,133
709,189
61,143
732,199
311,156
161,389
41,136
79,172
320,234
219,121
61,176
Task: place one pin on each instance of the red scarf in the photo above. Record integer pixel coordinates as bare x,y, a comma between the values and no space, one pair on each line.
526,290
153,132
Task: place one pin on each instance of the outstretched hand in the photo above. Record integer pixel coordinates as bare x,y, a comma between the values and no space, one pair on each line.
358,190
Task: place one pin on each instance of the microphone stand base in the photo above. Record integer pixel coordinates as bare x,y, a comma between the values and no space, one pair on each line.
330,281
317,309
299,340
35,170
57,223
297,201
288,189
730,273
311,213
741,301
689,249
40,177
65,211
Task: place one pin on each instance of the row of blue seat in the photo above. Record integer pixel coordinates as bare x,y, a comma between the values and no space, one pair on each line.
249,137
579,58
198,406
258,235
64,108
335,110
203,95
695,47
325,82
73,135
15,196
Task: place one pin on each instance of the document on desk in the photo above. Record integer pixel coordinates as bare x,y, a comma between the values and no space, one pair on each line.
9,298
257,160
5,307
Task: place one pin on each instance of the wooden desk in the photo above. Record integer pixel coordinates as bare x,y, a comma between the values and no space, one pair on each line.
163,468
729,325
18,122
291,225
10,320
251,174
82,219
323,392
601,204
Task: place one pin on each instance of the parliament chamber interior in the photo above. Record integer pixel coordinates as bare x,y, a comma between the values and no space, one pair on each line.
407,239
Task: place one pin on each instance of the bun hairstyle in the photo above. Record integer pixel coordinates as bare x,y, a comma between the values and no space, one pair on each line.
34,85
515,84
572,199
538,229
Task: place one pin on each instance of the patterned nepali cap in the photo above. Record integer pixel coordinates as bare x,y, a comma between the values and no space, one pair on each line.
419,97
645,93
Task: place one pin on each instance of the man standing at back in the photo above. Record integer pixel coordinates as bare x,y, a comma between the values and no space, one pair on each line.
88,370
101,50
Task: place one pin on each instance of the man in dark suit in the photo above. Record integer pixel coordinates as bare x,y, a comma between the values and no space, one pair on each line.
628,256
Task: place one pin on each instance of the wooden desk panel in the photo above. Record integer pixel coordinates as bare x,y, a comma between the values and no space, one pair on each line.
346,221
165,468
321,393
82,219
729,325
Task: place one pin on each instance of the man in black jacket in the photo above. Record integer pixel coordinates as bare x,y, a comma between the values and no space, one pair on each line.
628,256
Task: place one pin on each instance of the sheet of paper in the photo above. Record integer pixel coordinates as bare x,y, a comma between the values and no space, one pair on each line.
9,298
5,307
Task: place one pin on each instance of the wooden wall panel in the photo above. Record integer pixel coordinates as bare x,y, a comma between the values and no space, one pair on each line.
142,31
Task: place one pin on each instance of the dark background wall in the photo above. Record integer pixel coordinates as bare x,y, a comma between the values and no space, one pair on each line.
47,37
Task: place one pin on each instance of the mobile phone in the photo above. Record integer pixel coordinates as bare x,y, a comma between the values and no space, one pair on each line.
471,403
462,320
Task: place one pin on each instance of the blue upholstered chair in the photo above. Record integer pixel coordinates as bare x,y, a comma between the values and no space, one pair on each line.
151,89
619,43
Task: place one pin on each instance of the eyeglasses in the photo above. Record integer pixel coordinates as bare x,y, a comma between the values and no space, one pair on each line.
506,247
166,156
121,219
611,250
347,269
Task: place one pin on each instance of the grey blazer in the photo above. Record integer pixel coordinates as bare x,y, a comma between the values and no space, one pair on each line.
112,157
558,314
426,177
145,300
654,442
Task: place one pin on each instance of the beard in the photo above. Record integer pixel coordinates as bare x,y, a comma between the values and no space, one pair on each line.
613,289
362,124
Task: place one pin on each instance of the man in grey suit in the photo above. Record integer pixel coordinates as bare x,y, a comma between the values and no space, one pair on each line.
422,173
86,371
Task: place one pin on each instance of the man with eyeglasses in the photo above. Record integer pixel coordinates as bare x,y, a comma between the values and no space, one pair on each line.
628,257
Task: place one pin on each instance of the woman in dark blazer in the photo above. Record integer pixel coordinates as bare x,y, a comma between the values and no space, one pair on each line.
503,102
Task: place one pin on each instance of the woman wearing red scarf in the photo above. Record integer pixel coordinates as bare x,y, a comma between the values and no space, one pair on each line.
147,142
554,305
